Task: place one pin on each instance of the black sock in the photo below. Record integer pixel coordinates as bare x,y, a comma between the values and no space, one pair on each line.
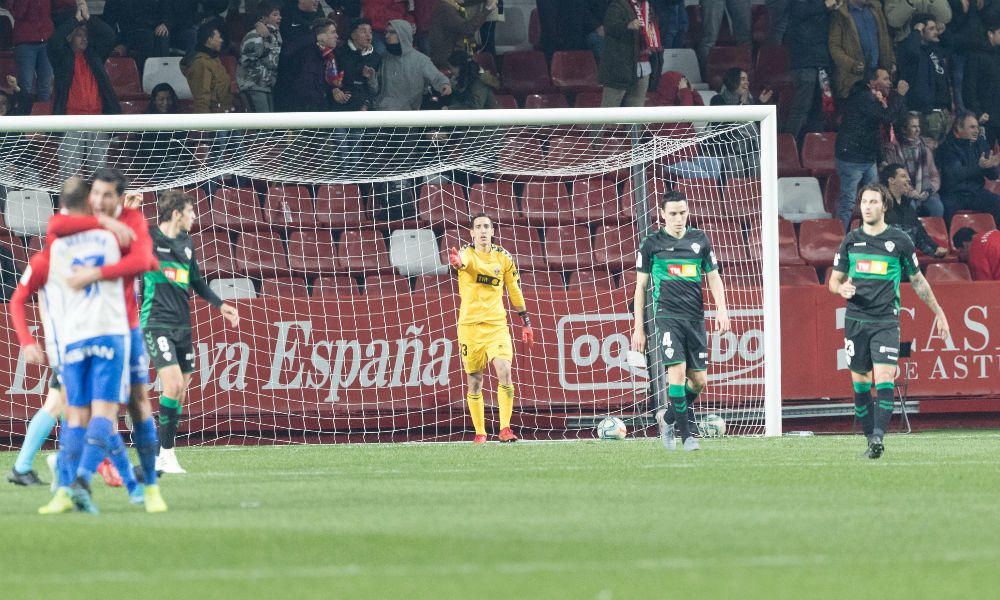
863,407
883,408
679,403
169,417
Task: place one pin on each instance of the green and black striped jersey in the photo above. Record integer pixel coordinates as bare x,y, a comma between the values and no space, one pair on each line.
676,266
165,293
875,264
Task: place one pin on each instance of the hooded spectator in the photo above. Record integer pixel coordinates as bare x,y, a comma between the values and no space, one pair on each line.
406,73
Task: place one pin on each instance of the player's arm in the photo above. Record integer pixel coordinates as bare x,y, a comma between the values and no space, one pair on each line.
840,283
639,327
455,259
61,225
200,287
136,259
512,282
33,279
921,287
718,290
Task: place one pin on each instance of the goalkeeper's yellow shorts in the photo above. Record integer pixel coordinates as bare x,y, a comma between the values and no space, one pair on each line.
481,343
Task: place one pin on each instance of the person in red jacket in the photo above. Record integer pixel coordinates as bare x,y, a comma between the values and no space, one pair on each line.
981,251
32,29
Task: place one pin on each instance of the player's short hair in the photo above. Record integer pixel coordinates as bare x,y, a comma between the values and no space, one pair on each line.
671,196
472,221
265,8
888,172
960,119
113,176
876,187
169,201
318,26
963,236
74,193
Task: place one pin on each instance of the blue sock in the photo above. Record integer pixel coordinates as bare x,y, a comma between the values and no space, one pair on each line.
38,431
146,444
70,453
118,454
98,443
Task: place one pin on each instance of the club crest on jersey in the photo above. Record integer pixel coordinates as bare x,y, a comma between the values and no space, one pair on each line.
496,271
696,247
682,270
187,253
669,352
890,245
873,267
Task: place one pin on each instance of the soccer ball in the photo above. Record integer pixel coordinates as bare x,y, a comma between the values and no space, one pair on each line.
612,428
713,426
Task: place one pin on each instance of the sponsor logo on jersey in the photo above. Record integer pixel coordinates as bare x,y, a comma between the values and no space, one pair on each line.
682,270
874,267
158,249
181,276
487,280
890,245
856,244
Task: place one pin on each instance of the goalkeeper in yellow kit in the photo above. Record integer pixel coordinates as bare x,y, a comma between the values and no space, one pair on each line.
484,269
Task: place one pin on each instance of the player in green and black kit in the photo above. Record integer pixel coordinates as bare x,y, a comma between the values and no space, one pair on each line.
165,315
676,258
867,271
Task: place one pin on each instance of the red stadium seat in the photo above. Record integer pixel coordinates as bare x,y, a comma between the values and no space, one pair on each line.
521,153
442,205
440,285
798,275
133,107
550,100
773,65
588,281
311,252
41,108
741,197
575,71
542,280
697,191
535,30
362,251
338,285
124,76
487,62
525,72
524,246
936,229
546,203
818,153
284,287
979,222
788,244
595,200
214,252
261,255
233,208
289,206
496,199
588,100
819,240
831,193
506,101
788,157
947,272
570,150
386,285
452,238
723,58
616,247
568,248
654,190
340,206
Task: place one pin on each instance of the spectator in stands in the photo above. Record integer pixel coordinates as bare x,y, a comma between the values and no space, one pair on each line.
572,25
359,63
912,151
631,37
711,21
186,16
738,148
924,65
454,24
961,37
405,73
899,14
859,43
77,50
471,89
206,75
14,101
807,39
142,27
296,25
63,10
316,79
258,67
966,160
162,100
981,251
870,107
32,29
981,87
673,19
675,90
902,210
381,13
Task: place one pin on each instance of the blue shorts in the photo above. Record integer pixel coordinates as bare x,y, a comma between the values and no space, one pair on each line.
138,360
94,369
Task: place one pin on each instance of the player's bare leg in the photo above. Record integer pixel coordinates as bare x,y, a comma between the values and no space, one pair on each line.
39,428
175,384
477,408
505,398
696,381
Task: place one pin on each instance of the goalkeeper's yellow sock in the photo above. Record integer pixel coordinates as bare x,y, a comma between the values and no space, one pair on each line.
505,398
477,409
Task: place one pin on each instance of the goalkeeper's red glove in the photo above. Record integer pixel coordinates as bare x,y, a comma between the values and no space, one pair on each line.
528,335
454,258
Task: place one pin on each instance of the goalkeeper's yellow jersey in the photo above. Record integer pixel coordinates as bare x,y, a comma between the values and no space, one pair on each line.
481,284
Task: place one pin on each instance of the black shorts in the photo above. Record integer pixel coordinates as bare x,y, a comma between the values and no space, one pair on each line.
869,343
683,341
170,347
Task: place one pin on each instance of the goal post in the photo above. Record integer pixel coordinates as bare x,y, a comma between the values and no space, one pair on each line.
329,232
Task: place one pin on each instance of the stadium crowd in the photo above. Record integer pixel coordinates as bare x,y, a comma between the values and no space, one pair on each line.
902,82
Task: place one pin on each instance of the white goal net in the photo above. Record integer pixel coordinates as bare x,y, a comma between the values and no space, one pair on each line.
329,232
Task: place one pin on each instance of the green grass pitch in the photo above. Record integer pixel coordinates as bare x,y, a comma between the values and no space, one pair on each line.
744,518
